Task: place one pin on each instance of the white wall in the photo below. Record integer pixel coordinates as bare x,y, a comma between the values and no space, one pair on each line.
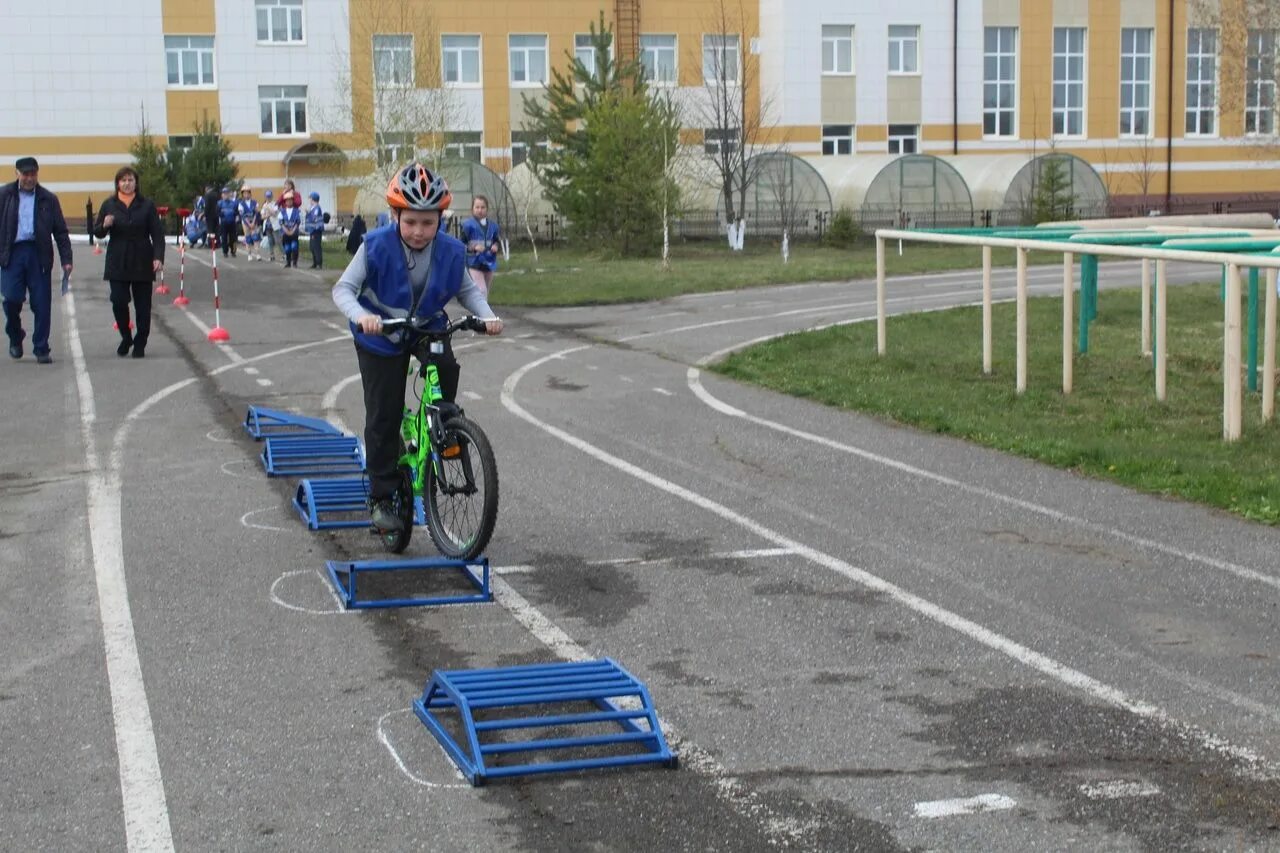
90,69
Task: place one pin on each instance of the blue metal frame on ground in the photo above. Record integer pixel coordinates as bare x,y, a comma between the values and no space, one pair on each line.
597,682
260,423
295,456
348,593
318,500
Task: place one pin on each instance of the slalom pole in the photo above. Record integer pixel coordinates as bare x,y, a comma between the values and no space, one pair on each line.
162,288
181,300
217,334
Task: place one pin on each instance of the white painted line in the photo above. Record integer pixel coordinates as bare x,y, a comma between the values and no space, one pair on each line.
265,383
749,554
472,395
754,553
146,810
531,348
230,353
978,633
224,467
245,522
338,328
415,778
664,392
274,595
967,806
218,435
330,401
513,570
251,371
695,385
1119,789
626,379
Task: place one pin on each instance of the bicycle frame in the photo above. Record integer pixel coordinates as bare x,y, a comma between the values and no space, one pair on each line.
417,428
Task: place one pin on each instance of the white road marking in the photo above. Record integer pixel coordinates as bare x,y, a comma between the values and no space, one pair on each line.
265,383
223,467
695,385
472,395
512,570
245,522
968,805
749,554
664,392
146,810
219,435
330,401
273,593
251,371
978,633
395,756
1119,789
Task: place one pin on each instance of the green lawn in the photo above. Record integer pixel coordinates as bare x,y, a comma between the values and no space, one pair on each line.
1110,427
562,277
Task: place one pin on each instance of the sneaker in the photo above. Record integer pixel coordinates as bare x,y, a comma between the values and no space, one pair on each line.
383,515
140,351
44,358
123,349
15,350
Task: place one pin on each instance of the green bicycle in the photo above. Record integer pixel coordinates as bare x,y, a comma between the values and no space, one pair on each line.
445,458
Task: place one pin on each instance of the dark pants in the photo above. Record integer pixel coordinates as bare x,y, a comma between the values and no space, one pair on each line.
20,281
121,291
317,252
383,378
229,238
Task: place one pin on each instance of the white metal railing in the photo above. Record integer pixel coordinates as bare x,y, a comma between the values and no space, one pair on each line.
1232,386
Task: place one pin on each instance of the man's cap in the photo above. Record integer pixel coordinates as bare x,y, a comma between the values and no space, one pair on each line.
267,193
27,164
315,196
227,189
246,189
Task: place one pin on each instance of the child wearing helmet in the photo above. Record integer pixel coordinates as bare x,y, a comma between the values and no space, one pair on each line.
410,267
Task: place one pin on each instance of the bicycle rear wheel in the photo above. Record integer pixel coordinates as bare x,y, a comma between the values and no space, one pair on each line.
462,491
397,540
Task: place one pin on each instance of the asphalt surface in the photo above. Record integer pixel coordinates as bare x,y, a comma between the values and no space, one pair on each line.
860,636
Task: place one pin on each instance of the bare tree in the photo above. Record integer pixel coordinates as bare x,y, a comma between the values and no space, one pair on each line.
1143,158
399,106
523,185
731,110
777,180
1248,74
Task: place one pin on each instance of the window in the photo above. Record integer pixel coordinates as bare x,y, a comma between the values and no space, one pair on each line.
461,56
522,142
181,143
394,148
837,49
1000,81
528,59
904,138
393,60
279,21
1135,82
1260,83
463,144
837,139
718,139
189,60
1202,82
1068,81
904,49
658,58
584,50
283,110
720,59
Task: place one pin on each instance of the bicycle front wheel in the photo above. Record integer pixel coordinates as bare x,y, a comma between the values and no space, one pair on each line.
462,491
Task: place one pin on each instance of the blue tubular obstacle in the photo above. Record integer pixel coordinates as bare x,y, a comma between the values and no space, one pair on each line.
558,688
319,501
293,456
261,423
347,590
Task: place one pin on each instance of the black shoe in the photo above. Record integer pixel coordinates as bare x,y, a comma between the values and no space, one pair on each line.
15,350
123,349
44,358
383,515
140,351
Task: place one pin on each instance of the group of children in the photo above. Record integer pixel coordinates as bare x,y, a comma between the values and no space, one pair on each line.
225,219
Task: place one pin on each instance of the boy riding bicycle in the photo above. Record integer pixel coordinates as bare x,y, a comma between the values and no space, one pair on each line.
408,268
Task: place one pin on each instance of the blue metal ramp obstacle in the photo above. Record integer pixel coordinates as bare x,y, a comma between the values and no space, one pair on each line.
329,503
295,456
348,593
550,697
260,422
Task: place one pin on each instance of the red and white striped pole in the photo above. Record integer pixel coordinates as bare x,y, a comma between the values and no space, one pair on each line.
217,334
162,288
181,300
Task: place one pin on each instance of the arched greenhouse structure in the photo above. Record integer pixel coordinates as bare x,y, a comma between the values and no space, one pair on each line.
785,193
917,190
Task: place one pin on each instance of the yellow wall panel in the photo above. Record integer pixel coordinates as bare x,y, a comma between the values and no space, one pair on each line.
190,17
1035,77
187,108
1103,86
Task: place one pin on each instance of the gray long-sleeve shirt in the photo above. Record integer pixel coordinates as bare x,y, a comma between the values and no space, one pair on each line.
346,292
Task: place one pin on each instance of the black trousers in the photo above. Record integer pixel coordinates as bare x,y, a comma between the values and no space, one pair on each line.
140,292
229,237
383,378
317,250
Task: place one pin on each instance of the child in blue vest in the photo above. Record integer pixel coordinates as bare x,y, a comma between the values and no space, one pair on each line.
228,218
290,225
194,226
247,210
408,268
481,235
314,226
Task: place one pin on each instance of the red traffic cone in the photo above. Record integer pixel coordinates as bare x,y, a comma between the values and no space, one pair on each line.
219,335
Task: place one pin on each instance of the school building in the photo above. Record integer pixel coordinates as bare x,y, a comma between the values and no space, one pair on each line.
1163,99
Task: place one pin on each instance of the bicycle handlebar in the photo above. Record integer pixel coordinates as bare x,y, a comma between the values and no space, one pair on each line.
416,324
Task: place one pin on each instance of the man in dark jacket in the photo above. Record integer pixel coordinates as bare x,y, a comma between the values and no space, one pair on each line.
30,218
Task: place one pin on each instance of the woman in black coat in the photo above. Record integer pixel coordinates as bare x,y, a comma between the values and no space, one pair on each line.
134,255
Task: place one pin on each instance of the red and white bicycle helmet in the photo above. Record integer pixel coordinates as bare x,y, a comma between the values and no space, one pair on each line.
415,188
